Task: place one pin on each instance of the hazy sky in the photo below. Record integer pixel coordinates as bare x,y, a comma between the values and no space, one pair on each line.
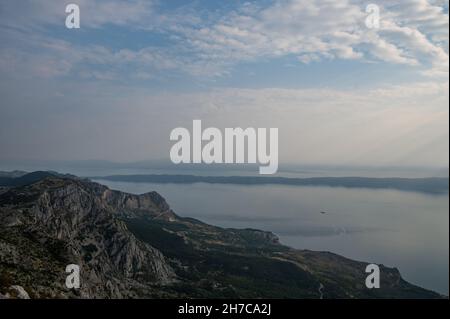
339,92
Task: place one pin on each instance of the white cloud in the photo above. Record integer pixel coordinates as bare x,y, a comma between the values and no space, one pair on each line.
413,33
46,57
30,14
393,125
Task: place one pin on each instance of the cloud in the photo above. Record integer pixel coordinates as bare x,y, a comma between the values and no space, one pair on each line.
107,116
206,43
29,14
410,33
36,56
392,125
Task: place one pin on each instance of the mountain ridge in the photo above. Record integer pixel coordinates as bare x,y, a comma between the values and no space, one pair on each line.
135,246
432,185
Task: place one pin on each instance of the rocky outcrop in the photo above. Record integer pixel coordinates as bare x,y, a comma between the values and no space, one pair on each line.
135,246
80,222
19,292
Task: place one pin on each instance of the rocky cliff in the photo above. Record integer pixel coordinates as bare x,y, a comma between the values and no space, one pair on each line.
135,246
56,221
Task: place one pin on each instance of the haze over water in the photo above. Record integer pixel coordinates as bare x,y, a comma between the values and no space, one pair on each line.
406,230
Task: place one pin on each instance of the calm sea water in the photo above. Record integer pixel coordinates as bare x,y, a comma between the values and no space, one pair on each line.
406,230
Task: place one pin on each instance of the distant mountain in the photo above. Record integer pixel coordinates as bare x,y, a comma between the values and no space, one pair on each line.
18,178
135,246
433,185
12,174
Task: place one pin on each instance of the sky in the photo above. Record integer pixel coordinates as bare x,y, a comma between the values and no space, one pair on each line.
340,93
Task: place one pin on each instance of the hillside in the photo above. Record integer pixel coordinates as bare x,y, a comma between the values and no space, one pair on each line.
135,246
